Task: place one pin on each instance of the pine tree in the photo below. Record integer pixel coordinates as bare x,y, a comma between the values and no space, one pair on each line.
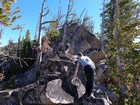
120,30
6,16
53,33
34,48
26,50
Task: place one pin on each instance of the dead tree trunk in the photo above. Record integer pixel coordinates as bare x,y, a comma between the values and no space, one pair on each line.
39,52
1,32
19,42
138,12
103,18
19,27
59,15
41,23
18,54
70,7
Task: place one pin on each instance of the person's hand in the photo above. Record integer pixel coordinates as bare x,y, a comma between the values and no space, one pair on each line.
75,81
73,77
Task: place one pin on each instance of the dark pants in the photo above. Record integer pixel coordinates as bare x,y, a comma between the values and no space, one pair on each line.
89,73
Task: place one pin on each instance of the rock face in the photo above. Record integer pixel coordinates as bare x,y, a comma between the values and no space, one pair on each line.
56,94
81,40
54,86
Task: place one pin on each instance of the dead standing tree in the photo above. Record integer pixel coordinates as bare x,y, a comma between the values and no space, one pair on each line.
1,32
59,15
70,7
41,23
103,25
19,27
39,52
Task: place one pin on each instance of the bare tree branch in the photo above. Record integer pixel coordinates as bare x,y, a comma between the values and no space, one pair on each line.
49,22
20,63
70,7
81,15
18,58
24,62
39,52
48,10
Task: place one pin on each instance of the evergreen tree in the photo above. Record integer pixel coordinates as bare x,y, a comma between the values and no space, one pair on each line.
53,33
34,48
122,45
6,16
26,50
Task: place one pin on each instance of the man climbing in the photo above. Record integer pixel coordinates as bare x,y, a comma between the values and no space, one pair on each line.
89,68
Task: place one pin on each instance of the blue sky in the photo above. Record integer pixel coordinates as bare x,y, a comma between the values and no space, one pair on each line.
30,12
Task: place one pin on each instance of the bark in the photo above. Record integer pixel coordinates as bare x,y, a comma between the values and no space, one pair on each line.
39,53
138,12
19,41
70,7
103,18
1,32
117,41
118,58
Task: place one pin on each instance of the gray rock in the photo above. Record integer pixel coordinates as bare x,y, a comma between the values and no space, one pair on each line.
56,94
55,87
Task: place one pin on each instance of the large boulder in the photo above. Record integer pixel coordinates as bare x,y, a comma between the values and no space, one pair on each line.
52,93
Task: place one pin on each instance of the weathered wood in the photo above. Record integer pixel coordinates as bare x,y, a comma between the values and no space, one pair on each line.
39,51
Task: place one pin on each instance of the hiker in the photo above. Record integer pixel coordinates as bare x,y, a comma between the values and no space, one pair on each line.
89,68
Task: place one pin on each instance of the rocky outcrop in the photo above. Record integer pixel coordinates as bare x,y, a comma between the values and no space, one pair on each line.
54,86
81,40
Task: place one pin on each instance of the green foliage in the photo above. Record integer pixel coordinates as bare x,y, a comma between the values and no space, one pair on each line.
17,66
128,50
6,16
25,46
34,47
53,35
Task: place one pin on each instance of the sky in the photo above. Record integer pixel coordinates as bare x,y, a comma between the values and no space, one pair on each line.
30,10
